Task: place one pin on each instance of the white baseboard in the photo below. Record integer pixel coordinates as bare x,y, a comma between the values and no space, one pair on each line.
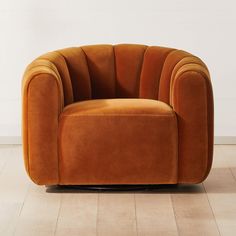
225,140
217,140
10,140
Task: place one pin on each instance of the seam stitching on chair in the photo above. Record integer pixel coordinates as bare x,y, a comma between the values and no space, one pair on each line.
177,105
56,76
61,105
177,145
141,73
91,84
53,67
115,71
141,69
174,50
120,115
68,72
173,76
60,127
158,86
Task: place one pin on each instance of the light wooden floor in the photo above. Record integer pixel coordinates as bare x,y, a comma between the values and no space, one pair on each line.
204,209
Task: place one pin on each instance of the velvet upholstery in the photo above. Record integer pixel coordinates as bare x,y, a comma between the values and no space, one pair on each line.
117,142
122,114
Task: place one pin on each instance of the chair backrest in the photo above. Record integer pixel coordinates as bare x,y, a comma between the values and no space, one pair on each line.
112,71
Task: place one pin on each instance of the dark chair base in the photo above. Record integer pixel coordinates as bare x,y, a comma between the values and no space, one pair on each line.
110,188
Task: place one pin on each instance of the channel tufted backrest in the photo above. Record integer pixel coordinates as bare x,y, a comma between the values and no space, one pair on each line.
119,71
107,71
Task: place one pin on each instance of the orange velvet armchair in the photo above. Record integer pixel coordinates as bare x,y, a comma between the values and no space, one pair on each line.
122,114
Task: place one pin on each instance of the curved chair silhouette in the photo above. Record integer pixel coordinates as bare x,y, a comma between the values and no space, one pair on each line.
122,114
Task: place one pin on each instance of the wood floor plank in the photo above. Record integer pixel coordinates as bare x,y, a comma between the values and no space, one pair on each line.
229,154
221,190
2,164
14,185
155,215
218,160
224,156
3,156
9,153
193,213
116,215
39,213
27,209
78,214
9,213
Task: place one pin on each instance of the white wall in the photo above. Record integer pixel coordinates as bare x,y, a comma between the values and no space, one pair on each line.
206,28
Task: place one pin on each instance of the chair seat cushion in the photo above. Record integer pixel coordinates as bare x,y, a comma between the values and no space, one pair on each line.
118,141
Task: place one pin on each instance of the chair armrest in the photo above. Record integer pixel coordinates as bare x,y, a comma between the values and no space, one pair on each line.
191,97
42,103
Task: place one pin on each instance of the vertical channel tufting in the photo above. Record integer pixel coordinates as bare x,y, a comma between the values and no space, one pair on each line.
59,61
100,60
77,66
123,70
153,62
170,62
128,63
115,71
90,81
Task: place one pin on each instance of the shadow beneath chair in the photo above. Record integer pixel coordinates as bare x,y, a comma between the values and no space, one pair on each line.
219,181
147,189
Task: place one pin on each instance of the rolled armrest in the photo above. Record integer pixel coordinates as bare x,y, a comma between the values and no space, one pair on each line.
42,103
192,99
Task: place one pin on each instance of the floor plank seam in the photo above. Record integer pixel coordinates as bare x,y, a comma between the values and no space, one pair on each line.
3,167
135,212
26,195
58,215
232,174
211,209
21,208
174,213
97,220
